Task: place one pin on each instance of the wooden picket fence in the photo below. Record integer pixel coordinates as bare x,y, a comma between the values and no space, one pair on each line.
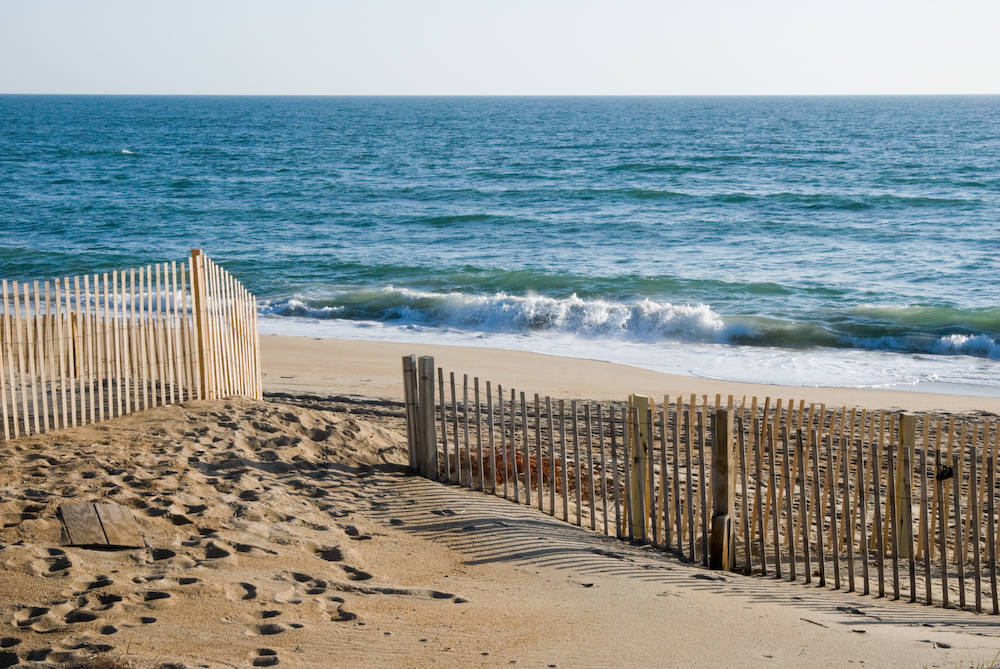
877,502
83,349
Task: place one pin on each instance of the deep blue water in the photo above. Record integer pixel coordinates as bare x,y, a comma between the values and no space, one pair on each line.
814,241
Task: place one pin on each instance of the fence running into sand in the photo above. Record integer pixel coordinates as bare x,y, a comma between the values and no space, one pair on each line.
84,349
871,501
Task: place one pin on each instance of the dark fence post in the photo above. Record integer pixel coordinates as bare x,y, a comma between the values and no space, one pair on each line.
722,548
427,430
410,393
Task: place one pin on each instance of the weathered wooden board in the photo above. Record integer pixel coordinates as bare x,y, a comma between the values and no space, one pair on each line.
119,526
83,525
101,525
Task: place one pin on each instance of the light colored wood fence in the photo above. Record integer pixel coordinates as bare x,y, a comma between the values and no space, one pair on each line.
83,349
878,502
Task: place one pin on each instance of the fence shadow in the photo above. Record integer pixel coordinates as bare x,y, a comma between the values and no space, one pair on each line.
490,530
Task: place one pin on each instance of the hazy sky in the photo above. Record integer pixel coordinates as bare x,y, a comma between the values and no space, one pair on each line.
509,47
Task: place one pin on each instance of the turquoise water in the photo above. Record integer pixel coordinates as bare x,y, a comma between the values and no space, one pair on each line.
809,241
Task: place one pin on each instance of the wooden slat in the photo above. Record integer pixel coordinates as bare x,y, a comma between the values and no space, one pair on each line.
9,355
943,515
442,402
199,303
142,361
4,326
22,373
106,340
959,534
479,438
758,506
831,485
689,495
119,526
503,440
83,525
50,345
744,491
492,444
614,472
604,468
862,493
227,331
234,339
72,359
184,323
664,481
788,489
876,447
564,472
456,460
847,511
893,514
675,446
703,480
525,449
801,473
229,318
126,344
61,352
772,498
991,534
973,505
214,307
650,480
258,374
817,497
576,463
467,479
162,351
177,357
627,456
590,464
29,322
552,457
539,462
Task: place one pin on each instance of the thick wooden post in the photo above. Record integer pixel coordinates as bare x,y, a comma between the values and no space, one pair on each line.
723,542
199,294
410,393
428,452
904,475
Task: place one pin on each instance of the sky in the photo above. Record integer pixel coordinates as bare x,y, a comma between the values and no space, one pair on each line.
509,47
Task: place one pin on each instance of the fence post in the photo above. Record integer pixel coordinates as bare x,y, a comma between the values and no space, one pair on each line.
722,549
410,392
427,447
199,298
904,474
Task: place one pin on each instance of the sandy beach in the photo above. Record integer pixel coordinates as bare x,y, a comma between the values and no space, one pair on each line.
290,533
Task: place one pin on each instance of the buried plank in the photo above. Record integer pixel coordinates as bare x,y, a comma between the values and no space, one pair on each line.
100,525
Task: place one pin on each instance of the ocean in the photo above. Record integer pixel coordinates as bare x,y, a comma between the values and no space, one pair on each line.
810,241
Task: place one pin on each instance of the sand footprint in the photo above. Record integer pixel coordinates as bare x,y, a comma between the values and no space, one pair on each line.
266,657
268,629
330,553
289,596
356,574
157,599
241,591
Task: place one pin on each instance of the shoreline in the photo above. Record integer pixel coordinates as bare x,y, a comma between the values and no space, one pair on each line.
318,366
